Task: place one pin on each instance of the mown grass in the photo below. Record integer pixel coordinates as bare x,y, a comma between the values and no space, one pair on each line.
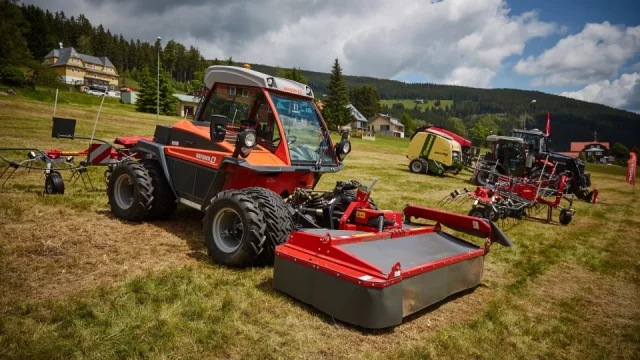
77,283
410,104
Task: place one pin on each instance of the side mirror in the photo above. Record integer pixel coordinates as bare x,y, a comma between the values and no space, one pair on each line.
343,148
217,128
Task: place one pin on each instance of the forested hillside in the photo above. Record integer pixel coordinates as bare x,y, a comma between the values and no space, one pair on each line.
571,120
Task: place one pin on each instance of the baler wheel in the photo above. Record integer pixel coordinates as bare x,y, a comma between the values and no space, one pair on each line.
130,191
276,217
163,203
54,184
234,229
417,167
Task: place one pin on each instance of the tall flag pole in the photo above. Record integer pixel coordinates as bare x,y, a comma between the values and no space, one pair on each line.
548,123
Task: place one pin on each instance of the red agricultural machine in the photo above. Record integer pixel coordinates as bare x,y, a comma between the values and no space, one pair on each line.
526,154
250,160
516,197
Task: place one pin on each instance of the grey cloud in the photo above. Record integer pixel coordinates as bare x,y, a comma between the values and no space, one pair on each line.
462,42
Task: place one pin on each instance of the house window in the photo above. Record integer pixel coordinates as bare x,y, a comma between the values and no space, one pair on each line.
232,91
113,79
104,77
245,93
94,75
384,127
599,153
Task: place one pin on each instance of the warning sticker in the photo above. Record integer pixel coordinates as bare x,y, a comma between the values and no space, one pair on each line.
360,214
476,225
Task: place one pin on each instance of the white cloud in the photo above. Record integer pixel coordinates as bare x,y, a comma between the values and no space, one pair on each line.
455,41
623,93
594,54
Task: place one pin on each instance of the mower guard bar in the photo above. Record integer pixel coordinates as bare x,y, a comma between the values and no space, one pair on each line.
482,228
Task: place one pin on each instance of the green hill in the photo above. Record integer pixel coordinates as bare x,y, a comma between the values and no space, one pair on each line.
571,120
410,104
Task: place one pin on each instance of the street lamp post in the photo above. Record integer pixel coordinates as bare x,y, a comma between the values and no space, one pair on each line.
524,121
158,83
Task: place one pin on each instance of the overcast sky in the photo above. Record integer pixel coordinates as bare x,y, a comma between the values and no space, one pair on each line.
588,50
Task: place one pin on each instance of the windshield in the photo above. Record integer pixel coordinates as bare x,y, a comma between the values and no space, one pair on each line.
302,130
243,107
535,142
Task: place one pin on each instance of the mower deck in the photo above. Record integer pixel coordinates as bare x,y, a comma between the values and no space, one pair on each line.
374,280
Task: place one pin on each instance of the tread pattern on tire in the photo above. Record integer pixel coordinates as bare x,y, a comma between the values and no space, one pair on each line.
247,254
411,167
163,203
277,219
57,183
142,186
425,166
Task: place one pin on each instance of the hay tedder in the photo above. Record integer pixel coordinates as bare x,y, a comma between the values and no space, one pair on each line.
525,154
54,162
250,161
516,198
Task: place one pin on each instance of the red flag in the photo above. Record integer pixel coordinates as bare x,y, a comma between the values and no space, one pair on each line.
548,122
631,169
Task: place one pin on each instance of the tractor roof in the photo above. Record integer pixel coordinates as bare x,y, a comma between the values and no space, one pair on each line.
494,138
434,131
244,77
534,132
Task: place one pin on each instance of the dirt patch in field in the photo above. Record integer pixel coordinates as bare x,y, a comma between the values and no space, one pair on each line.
53,251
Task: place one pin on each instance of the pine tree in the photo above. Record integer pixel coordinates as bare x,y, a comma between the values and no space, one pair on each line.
147,97
335,110
366,99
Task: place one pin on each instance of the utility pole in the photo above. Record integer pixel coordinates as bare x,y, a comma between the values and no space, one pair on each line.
524,121
158,83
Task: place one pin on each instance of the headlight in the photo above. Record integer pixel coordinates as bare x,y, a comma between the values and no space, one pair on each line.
32,155
250,140
271,82
347,147
308,91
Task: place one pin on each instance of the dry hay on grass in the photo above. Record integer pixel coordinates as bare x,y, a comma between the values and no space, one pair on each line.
52,251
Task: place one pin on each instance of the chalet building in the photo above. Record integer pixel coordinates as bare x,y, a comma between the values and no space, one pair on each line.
384,124
596,148
80,69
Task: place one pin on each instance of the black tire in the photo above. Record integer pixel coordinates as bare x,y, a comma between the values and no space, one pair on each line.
477,212
54,184
277,219
565,216
416,166
490,214
163,203
234,229
425,165
130,191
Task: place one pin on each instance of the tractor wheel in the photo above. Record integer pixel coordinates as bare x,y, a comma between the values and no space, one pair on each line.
130,191
425,165
416,166
164,201
565,216
481,178
477,212
276,217
54,184
234,229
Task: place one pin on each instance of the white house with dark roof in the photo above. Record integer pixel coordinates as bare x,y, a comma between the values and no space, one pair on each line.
386,125
358,121
80,69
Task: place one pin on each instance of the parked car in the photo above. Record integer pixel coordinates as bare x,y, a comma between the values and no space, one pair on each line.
95,92
113,94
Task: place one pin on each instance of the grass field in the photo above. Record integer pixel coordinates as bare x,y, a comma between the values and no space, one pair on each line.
77,283
410,104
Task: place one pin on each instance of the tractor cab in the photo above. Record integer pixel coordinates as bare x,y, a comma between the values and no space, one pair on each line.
536,141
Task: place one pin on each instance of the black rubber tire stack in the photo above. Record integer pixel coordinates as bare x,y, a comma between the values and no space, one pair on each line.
253,229
277,218
142,191
163,203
